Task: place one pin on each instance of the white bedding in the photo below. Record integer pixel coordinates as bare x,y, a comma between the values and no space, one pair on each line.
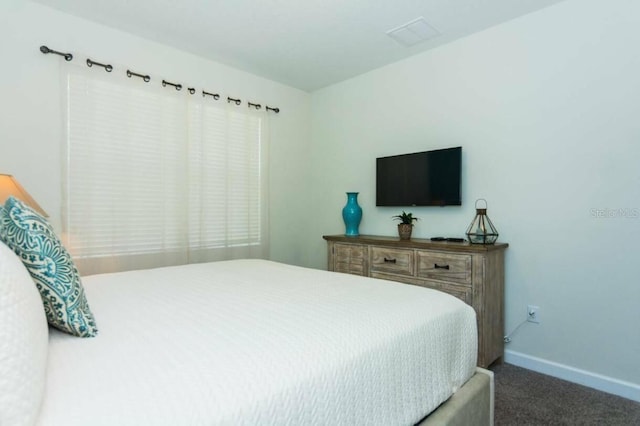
253,342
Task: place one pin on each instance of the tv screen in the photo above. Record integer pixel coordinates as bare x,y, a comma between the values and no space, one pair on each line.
430,178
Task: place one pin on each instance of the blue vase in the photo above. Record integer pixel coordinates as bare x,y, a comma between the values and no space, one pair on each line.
352,215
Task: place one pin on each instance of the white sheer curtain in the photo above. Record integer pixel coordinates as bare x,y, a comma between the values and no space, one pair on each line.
228,182
153,176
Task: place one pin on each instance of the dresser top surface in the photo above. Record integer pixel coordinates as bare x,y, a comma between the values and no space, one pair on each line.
417,243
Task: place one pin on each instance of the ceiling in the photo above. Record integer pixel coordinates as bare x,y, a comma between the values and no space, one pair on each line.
307,44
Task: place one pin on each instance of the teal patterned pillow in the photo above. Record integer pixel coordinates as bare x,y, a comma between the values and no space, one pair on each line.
33,239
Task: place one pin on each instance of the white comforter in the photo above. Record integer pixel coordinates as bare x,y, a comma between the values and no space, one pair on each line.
254,342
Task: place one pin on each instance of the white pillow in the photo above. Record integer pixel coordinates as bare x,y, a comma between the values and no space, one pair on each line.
24,336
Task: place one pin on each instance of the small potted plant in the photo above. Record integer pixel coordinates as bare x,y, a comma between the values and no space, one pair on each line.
406,225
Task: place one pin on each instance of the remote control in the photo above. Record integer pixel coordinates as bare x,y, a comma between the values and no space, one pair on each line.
456,240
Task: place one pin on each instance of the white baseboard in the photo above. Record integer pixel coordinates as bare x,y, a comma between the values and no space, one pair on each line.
586,378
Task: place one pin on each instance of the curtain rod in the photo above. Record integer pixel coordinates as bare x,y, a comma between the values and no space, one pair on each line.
145,78
46,50
108,67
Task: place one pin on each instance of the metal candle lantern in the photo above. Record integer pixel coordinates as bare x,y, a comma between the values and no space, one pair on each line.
481,230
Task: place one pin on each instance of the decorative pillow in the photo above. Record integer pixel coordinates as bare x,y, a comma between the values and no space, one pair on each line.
33,239
24,342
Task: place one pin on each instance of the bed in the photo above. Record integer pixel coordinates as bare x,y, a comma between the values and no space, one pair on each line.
245,342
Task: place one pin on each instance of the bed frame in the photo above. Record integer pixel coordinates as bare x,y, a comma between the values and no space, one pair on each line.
472,404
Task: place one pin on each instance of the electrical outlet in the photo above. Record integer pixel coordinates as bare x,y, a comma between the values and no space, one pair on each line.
533,314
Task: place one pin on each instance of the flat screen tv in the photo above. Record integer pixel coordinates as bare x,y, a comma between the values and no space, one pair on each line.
430,178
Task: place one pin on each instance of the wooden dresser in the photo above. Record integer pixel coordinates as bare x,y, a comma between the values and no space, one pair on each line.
473,273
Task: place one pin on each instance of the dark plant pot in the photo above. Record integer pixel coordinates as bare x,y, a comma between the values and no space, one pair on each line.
404,230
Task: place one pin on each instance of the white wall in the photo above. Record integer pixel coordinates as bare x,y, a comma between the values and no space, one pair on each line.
31,116
547,110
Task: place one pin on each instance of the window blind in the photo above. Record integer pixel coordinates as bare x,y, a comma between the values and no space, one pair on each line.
151,172
225,168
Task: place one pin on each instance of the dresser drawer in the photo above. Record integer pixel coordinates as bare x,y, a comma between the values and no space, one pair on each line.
349,258
399,261
349,268
348,253
444,266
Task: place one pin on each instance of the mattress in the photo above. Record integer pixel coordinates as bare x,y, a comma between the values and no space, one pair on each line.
253,342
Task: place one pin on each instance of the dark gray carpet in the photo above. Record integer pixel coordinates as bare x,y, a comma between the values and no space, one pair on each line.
524,397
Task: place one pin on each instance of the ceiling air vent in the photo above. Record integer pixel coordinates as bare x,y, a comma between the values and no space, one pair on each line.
413,32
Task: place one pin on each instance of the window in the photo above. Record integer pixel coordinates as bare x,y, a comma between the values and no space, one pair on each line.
154,177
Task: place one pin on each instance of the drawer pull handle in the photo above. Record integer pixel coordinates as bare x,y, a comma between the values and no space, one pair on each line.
436,266
389,260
